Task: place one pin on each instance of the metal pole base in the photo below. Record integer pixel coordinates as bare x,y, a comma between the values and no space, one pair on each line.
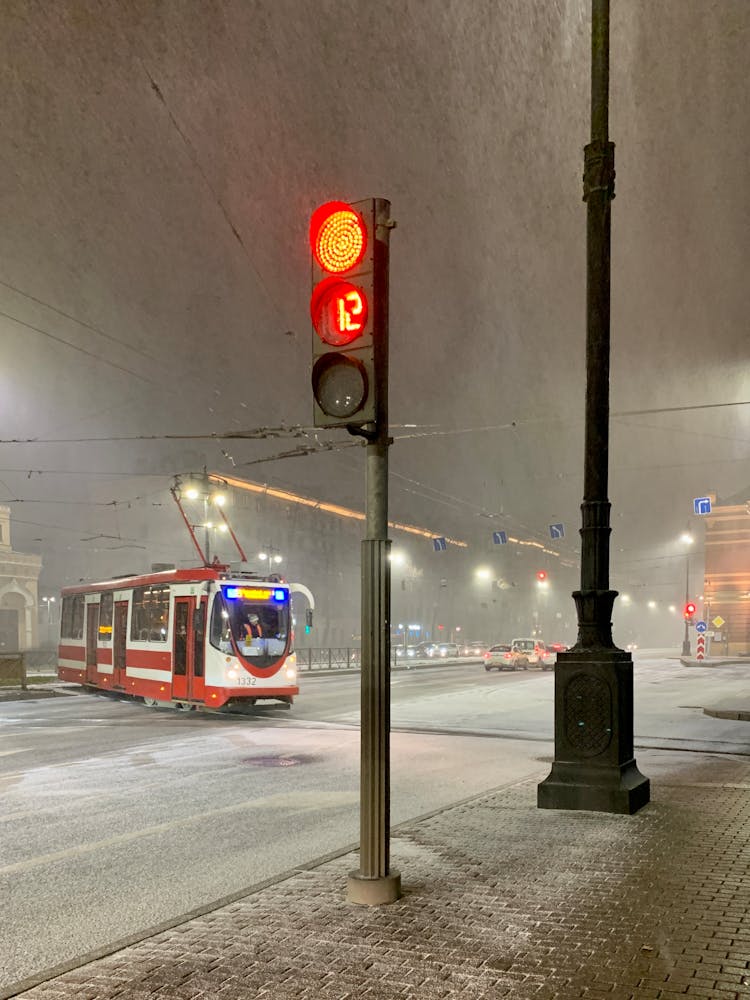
373,891
594,767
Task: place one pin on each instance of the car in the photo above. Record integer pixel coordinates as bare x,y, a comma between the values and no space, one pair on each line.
474,648
442,650
532,653
557,647
546,657
420,651
500,656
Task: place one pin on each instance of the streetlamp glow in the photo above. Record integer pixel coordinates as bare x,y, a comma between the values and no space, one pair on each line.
483,573
271,556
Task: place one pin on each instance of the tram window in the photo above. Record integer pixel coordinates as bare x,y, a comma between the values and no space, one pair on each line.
71,626
259,630
150,617
66,617
220,634
105,616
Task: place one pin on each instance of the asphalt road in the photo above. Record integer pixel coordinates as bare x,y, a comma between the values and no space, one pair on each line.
116,817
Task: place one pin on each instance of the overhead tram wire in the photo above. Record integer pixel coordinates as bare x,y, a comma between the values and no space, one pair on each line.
81,350
416,431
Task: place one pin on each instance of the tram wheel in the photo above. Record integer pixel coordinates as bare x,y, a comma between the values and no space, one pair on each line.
150,702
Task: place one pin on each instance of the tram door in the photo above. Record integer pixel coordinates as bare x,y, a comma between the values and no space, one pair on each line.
119,643
187,678
92,637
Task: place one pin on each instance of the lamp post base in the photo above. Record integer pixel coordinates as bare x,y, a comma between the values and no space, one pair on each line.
594,767
621,790
373,891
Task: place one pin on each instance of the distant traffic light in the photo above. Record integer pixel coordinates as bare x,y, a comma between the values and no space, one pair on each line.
348,309
689,611
541,575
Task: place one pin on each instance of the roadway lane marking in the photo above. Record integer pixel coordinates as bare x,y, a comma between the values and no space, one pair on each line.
7,753
305,801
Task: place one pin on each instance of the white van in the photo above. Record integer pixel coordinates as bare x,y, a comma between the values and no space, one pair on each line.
527,653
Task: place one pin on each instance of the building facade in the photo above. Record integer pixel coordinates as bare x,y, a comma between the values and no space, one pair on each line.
19,593
726,590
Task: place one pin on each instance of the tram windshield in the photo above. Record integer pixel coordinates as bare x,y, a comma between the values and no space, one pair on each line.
256,620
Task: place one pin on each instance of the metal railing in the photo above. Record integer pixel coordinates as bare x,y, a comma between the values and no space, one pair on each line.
329,658
349,658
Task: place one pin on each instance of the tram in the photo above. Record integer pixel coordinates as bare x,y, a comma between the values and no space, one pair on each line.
186,637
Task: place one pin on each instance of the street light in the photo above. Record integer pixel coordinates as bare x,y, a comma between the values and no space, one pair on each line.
209,490
49,601
272,556
687,539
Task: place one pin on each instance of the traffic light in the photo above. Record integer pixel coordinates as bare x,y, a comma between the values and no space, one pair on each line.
541,575
689,611
349,312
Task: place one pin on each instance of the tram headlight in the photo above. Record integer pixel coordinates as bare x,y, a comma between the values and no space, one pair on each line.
291,673
232,674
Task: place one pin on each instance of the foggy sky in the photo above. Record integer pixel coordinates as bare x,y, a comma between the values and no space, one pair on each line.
159,165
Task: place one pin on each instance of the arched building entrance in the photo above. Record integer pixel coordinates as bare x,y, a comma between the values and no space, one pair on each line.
19,587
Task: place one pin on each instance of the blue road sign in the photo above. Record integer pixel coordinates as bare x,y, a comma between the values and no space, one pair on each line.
702,505
499,538
700,626
557,531
439,544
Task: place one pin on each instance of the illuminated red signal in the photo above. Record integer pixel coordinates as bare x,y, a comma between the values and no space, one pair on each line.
348,308
339,311
689,610
541,575
338,237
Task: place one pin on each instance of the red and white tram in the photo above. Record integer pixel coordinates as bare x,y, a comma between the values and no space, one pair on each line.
188,637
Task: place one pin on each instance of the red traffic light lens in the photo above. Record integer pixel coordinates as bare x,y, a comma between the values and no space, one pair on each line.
338,237
541,575
689,610
339,311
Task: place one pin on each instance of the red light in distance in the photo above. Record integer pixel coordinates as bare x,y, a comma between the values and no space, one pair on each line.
338,237
339,311
541,575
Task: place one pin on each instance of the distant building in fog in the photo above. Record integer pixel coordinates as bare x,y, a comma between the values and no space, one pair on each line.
726,591
19,580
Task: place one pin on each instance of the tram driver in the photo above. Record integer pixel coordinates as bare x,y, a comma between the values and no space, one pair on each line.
253,627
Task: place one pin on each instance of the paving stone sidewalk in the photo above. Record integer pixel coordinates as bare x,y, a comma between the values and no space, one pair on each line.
501,900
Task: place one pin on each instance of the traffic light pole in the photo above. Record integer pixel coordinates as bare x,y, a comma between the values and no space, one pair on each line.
686,640
374,883
594,767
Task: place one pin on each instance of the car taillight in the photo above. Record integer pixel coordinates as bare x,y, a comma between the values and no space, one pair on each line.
486,656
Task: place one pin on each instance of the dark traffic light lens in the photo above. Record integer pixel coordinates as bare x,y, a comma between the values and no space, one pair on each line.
339,385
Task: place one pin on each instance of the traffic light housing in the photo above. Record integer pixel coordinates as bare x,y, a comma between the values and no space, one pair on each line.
689,611
349,313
